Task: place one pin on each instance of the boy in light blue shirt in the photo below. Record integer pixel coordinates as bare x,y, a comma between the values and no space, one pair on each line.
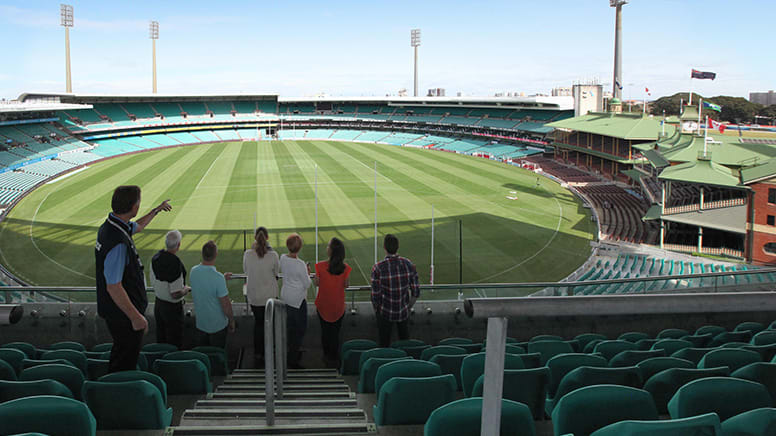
212,306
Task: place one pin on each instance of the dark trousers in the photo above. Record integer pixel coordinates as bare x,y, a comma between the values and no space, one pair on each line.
385,328
217,339
296,324
258,330
169,322
126,345
330,334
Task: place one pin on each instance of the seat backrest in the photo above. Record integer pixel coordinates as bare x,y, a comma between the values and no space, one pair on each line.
184,377
590,346
409,401
24,347
450,364
379,352
733,358
714,330
767,352
527,386
671,346
633,357
441,349
538,338
672,334
549,349
122,376
698,340
126,405
473,366
13,357
751,326
766,337
702,425
726,337
530,360
725,396
562,364
586,338
77,358
23,415
664,384
96,368
609,349
588,409
11,390
694,355
68,345
190,355
219,361
101,348
633,336
159,347
366,379
455,341
588,376
463,417
407,368
753,422
407,343
69,376
760,372
357,344
650,367
646,344
7,372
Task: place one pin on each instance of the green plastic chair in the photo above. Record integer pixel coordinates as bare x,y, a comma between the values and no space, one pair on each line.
672,334
63,416
146,359
7,372
407,368
473,366
751,326
184,377
129,405
69,376
13,357
766,337
546,338
416,351
549,349
191,355
591,408
634,357
767,352
702,425
77,358
450,364
609,349
11,390
101,348
633,336
646,344
93,354
588,376
664,384
464,417
407,343
428,353
351,354
25,347
357,344
734,345
733,358
455,341
122,376
760,372
725,337
471,348
159,347
671,346
530,360
366,380
563,364
527,386
379,352
586,338
655,365
588,349
68,345
698,341
725,396
28,363
694,355
755,422
97,368
713,330
219,362
408,401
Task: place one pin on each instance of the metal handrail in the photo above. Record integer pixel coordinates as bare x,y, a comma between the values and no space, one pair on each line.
274,357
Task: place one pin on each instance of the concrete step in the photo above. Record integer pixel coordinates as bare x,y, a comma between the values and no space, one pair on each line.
259,387
289,381
237,395
285,403
323,414
287,429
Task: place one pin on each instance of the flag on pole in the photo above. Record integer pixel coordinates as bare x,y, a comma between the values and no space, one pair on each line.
712,106
648,93
617,83
716,125
695,74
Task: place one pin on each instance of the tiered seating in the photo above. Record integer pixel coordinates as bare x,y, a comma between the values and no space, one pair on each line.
563,172
619,213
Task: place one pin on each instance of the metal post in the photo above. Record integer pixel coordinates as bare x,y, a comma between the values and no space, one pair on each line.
375,212
280,355
494,377
460,251
415,43
269,363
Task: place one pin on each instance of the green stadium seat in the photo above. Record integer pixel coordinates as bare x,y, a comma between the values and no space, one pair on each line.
473,366
714,330
184,377
219,363
63,416
527,386
69,376
416,351
25,347
692,354
698,341
407,343
191,355
407,368
77,358
633,357
29,363
546,338
455,341
428,353
751,326
701,425
472,348
508,348
588,376
586,338
760,372
379,352
11,390
123,376
450,364
725,396
767,352
766,337
772,326
464,418
147,358
591,408
664,384
563,364
757,422
93,354
68,345
671,346
731,357
646,344
13,357
366,379
726,337
549,349
7,372
96,368
633,336
128,405
611,348
672,334
588,349
407,401
734,345
103,347
655,365
530,360
159,347
351,354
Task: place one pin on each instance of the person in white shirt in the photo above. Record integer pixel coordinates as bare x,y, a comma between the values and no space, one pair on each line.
261,266
296,280
168,277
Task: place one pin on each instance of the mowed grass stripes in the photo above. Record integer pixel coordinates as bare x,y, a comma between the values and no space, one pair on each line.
218,191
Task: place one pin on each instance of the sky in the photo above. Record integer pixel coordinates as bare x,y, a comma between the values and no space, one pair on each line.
362,48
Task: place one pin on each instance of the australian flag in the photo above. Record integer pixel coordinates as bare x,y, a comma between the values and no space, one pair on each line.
702,75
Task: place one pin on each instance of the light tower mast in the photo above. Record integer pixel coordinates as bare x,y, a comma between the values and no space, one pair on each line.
66,21
617,82
415,43
153,33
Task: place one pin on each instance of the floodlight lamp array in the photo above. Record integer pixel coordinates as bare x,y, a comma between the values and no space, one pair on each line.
66,15
153,30
415,37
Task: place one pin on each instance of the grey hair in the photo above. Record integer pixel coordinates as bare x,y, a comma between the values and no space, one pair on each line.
172,239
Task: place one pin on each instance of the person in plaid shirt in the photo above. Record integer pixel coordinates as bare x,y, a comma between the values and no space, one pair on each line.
394,291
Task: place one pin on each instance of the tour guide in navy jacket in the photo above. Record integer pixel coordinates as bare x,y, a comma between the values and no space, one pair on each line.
121,292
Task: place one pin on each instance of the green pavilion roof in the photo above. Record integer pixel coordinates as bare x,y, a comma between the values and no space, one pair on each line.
627,126
702,171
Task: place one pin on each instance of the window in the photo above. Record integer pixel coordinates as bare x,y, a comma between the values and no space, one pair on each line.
770,248
771,195
771,220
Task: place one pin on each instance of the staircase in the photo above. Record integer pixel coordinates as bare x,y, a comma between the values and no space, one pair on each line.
314,401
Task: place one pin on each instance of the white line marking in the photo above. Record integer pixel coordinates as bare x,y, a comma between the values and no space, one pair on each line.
208,171
358,265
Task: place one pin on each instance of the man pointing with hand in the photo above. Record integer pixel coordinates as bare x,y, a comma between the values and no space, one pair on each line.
121,291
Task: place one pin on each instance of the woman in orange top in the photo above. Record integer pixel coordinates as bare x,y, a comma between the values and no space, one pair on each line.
331,277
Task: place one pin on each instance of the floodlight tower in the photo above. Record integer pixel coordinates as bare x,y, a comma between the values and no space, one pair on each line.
66,21
415,43
153,33
617,82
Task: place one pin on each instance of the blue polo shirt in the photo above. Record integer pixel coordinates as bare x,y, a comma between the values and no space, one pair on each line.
117,259
207,287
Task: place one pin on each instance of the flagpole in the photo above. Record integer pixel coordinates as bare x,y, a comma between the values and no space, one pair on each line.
375,211
690,103
316,213
700,108
705,137
663,123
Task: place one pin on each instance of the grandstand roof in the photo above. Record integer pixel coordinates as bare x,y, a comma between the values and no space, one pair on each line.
627,126
103,98
759,172
702,171
724,150
9,107
533,102
729,219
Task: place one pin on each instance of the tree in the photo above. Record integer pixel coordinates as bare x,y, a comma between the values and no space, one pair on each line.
734,109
